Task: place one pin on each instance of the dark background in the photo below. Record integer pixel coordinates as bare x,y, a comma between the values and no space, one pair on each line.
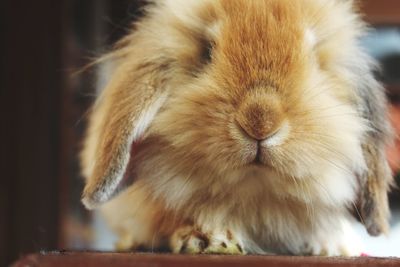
43,103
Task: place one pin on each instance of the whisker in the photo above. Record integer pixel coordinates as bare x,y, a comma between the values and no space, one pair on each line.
328,149
295,101
329,196
319,184
310,133
318,118
358,212
317,110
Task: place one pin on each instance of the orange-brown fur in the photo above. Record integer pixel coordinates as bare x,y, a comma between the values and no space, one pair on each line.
263,137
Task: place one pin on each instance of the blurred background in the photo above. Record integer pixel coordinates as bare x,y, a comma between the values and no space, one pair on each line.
44,101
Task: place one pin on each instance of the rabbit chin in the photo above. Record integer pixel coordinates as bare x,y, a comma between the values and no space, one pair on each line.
266,212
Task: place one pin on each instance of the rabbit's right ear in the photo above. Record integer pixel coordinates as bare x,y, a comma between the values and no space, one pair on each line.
376,181
120,117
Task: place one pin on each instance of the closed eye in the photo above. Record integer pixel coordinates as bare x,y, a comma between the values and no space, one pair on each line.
207,47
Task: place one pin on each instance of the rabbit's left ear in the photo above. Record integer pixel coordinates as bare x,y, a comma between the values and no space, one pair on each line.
375,181
120,117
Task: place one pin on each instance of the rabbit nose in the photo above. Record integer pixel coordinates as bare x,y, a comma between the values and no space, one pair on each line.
259,119
258,133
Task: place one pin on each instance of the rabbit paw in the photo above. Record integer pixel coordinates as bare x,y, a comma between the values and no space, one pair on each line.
125,243
336,249
346,243
193,241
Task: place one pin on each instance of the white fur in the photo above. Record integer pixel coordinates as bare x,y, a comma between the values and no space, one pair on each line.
279,137
146,118
310,37
214,30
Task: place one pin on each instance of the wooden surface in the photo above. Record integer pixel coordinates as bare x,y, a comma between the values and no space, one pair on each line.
88,259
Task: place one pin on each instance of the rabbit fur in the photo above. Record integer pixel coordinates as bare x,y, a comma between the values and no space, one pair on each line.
241,126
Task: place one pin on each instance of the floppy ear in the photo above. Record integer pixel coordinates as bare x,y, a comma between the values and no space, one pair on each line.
375,182
120,117
373,197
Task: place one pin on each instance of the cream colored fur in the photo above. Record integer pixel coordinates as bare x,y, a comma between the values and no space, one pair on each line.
279,69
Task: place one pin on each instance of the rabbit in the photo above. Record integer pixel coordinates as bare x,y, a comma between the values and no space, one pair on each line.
241,127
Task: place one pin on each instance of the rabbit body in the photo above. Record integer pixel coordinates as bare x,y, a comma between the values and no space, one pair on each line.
246,127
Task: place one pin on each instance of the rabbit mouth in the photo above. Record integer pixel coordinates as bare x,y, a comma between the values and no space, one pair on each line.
257,159
261,149
260,159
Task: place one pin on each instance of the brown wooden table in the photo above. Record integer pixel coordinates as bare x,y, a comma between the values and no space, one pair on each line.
97,259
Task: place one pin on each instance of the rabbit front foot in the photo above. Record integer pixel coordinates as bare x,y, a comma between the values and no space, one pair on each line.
346,243
125,243
335,250
191,240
